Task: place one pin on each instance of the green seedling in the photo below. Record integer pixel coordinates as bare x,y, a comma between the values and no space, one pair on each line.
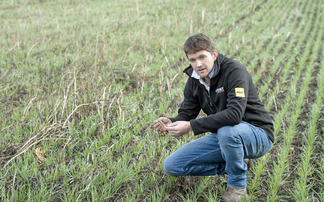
160,122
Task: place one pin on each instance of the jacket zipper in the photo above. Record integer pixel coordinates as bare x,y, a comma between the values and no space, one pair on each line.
211,105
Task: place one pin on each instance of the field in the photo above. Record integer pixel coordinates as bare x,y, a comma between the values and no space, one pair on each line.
81,82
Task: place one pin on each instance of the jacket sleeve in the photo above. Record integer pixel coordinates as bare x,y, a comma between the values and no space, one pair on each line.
190,107
236,88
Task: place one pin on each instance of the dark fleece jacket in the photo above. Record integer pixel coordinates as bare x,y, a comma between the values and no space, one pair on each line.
232,98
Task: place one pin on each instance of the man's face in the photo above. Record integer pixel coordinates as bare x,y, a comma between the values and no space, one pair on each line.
202,62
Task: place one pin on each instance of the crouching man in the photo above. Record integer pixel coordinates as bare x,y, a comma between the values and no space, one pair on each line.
239,126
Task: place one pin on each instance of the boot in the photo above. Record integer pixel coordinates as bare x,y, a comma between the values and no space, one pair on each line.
233,195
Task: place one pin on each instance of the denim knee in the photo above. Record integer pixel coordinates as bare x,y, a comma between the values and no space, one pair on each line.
228,135
169,167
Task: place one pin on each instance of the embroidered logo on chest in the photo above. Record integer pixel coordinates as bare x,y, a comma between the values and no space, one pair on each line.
219,90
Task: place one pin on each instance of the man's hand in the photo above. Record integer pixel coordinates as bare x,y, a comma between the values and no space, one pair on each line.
161,123
179,128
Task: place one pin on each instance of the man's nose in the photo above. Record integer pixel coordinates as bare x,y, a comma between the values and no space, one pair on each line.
198,63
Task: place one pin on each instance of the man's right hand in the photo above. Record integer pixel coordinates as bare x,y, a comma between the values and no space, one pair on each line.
160,124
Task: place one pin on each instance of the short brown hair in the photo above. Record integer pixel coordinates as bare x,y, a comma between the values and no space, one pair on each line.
198,42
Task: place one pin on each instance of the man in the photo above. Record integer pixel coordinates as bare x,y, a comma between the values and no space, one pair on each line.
240,127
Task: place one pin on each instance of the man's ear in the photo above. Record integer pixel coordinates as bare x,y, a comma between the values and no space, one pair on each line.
215,54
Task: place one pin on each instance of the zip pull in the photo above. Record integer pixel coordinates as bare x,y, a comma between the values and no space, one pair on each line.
210,102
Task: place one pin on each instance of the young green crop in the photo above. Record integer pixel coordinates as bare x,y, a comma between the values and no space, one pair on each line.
92,79
161,123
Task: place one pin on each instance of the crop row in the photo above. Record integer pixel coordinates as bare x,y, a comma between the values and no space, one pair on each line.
281,167
100,77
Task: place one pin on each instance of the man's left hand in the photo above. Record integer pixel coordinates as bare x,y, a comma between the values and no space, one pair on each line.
179,128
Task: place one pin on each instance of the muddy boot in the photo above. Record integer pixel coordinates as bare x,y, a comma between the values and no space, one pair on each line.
233,195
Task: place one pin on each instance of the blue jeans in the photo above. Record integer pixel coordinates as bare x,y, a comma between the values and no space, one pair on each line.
220,153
